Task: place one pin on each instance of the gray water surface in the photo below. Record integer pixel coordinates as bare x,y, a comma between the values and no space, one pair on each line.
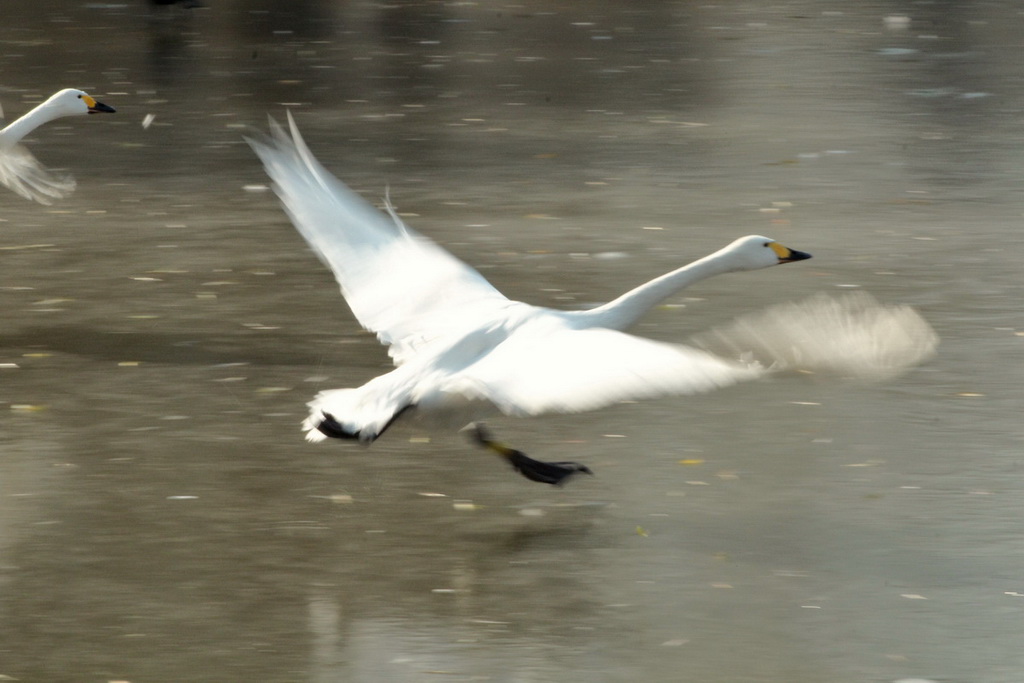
162,519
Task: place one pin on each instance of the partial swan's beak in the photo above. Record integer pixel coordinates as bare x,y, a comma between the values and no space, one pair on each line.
100,107
787,255
97,107
795,255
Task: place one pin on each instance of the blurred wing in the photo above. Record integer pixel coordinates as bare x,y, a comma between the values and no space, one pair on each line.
22,173
399,284
552,368
569,371
852,335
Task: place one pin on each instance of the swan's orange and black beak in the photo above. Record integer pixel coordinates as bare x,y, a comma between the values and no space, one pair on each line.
97,107
787,255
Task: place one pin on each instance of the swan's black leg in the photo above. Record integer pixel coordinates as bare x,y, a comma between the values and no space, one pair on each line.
555,473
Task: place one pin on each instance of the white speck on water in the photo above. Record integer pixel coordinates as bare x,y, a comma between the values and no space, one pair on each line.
930,92
896,21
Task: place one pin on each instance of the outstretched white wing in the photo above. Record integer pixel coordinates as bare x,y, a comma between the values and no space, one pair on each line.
400,285
547,366
852,335
22,173
564,370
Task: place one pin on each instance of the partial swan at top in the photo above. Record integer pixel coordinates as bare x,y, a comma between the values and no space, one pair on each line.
19,170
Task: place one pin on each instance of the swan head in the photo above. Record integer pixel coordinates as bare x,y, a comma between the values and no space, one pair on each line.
72,102
756,251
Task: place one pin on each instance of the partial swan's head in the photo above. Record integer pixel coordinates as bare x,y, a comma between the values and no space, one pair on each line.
755,251
71,102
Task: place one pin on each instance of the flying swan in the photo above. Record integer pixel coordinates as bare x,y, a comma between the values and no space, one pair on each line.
462,350
19,170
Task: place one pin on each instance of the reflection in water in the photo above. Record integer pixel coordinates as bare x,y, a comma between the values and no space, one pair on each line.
501,591
327,656
162,519
168,52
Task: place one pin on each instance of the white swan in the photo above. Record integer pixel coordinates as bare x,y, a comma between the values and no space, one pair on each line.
462,348
19,170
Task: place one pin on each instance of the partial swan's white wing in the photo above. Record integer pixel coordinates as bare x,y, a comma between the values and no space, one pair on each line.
22,173
548,367
852,335
566,371
400,285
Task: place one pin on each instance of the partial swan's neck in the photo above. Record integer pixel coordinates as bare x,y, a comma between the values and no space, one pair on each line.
18,129
624,311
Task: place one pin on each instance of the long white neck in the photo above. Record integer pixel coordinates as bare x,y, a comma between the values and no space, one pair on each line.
624,311
18,129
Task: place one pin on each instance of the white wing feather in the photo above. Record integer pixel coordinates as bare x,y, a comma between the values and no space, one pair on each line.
570,371
546,367
398,284
21,172
851,335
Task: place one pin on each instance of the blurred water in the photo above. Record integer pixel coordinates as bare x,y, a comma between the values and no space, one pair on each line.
161,518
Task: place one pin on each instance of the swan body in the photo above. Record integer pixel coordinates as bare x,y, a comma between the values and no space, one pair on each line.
19,169
461,348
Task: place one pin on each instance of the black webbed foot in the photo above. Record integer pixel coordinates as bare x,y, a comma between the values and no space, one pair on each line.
555,473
